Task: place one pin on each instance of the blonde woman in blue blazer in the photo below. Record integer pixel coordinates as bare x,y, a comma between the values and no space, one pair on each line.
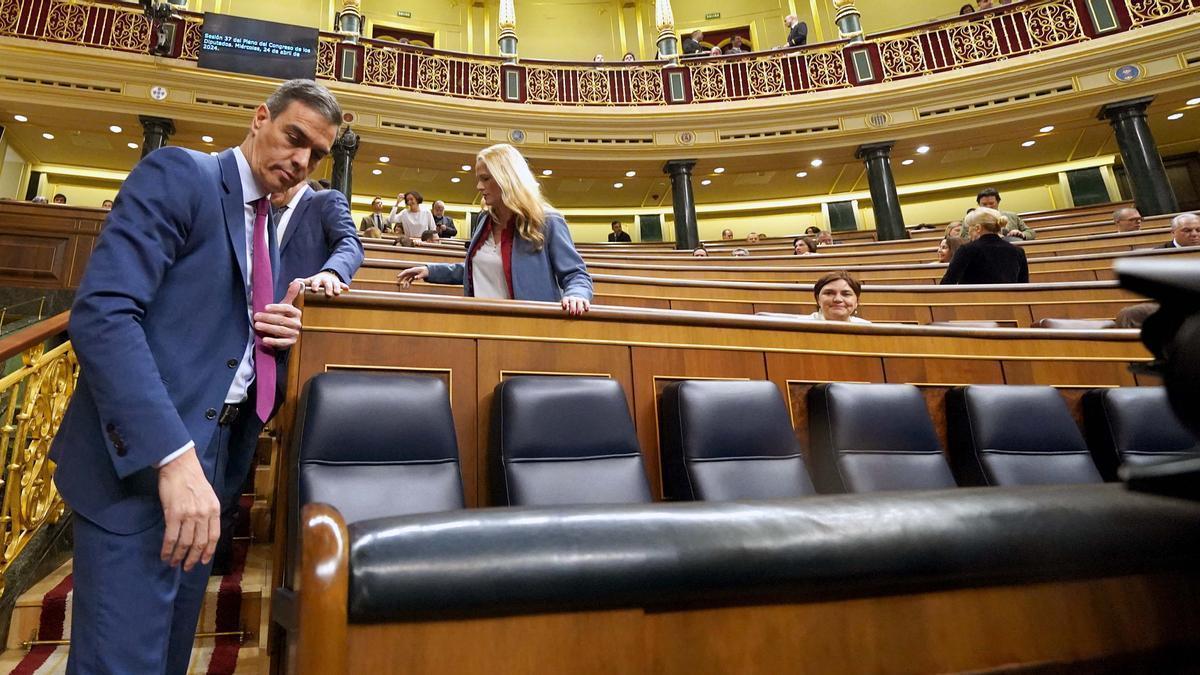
522,249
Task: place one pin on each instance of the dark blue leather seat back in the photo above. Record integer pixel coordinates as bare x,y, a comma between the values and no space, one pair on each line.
564,440
374,445
1015,435
871,437
722,440
1133,425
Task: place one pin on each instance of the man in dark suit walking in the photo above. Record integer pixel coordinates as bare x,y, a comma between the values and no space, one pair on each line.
1185,231
177,325
797,30
988,259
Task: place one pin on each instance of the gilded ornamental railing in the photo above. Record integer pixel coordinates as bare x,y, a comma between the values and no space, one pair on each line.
1005,32
33,398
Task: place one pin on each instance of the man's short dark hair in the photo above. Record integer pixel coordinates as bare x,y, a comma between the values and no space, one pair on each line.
615,222
988,192
428,235
311,94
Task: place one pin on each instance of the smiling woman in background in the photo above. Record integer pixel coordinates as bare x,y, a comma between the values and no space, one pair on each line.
837,295
522,249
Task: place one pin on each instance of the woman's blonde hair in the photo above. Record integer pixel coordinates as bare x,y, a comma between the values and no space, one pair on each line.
519,190
987,219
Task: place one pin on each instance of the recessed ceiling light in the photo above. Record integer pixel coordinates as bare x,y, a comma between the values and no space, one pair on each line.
376,172
1174,116
802,174
1190,101
467,167
48,136
908,162
1047,129
922,149
618,185
719,169
132,145
206,138
455,179
546,172
630,174
1028,144
385,159
706,182
115,129
816,162
20,118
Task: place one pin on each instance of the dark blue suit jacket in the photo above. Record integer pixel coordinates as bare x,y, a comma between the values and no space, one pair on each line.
159,325
320,236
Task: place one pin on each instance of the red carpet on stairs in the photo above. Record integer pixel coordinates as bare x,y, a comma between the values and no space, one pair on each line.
222,657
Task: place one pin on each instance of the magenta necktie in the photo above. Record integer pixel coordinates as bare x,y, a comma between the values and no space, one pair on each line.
262,285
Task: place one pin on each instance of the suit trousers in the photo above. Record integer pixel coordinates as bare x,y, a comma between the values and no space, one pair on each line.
131,612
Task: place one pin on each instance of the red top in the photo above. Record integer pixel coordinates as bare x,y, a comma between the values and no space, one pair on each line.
506,246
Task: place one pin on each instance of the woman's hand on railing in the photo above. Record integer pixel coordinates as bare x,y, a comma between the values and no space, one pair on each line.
573,305
408,276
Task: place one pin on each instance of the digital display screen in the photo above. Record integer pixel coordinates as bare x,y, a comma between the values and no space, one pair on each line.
238,45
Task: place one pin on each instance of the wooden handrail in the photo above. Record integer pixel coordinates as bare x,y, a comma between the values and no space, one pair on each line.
14,344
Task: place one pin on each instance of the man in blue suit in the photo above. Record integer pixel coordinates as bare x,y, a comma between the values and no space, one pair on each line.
172,340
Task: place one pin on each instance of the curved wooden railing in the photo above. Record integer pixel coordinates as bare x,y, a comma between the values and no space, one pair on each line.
982,37
33,398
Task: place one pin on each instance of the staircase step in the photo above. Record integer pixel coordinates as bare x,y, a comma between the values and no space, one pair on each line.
251,608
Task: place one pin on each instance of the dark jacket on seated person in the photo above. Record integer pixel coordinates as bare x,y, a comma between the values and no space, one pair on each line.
988,260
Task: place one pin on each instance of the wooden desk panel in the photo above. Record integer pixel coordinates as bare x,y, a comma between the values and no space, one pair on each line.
476,343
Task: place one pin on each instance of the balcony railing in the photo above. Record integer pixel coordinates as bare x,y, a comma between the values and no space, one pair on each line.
983,37
33,398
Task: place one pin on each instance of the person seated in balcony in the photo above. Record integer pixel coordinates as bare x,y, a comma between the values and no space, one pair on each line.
966,9
443,223
986,4
521,248
107,204
947,247
726,234
797,30
1016,228
700,252
1185,231
429,237
804,246
955,230
987,259
411,221
824,238
598,58
691,43
617,235
715,51
812,231
60,198
736,46
753,238
740,253
629,56
837,295
375,223
1127,219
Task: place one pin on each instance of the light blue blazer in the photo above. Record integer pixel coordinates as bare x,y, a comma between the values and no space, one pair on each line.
546,275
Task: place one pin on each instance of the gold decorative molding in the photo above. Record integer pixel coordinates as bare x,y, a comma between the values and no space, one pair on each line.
33,399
